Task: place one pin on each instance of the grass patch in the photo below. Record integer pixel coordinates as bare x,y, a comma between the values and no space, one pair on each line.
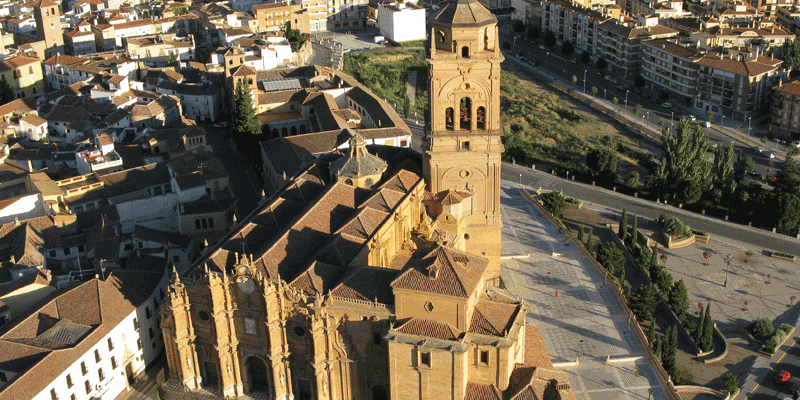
388,78
700,233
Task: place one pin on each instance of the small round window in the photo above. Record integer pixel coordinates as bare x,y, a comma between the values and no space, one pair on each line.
299,331
204,316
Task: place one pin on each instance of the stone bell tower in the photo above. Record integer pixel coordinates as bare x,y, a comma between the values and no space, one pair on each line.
463,147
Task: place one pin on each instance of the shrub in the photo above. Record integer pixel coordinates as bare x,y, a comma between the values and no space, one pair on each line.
785,328
572,200
784,255
675,227
770,344
554,202
682,375
731,383
762,328
699,233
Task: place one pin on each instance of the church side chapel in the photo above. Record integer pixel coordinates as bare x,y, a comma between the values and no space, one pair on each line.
374,273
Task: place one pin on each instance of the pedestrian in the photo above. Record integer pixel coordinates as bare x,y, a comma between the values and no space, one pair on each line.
556,292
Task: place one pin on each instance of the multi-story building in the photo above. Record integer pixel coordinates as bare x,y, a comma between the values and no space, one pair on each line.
768,39
788,18
81,40
317,14
574,24
785,112
401,22
671,67
24,74
621,45
272,17
737,85
89,342
347,14
164,45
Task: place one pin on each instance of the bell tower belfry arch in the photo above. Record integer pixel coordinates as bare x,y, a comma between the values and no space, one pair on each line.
463,146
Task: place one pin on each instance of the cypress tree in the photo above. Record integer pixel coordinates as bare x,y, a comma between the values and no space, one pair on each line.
708,331
634,231
651,333
245,121
669,349
590,243
654,256
679,300
657,348
580,234
623,225
700,326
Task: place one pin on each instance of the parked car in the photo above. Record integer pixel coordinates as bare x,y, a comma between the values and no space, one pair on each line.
796,143
783,376
543,47
666,105
756,174
769,154
220,125
707,124
772,179
610,79
691,117
573,61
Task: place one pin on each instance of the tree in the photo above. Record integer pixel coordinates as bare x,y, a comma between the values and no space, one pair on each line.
603,164
643,301
701,325
601,64
549,39
586,57
787,214
623,225
637,111
669,350
664,280
172,57
519,26
684,162
679,300
762,328
534,33
181,10
642,256
654,255
594,90
731,383
567,48
634,231
615,101
632,181
651,333
710,115
658,348
790,53
295,38
723,177
639,82
245,122
744,164
788,177
707,341
406,105
590,243
554,202
611,257
6,91
574,79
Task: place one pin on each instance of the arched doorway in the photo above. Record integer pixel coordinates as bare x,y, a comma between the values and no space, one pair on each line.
466,113
284,132
294,130
257,374
379,393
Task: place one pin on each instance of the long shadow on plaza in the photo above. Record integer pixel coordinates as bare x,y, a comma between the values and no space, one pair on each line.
580,331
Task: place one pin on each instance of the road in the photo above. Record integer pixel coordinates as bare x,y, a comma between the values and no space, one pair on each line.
767,388
552,61
650,209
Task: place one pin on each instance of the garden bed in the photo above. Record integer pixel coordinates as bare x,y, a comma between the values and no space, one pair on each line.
783,256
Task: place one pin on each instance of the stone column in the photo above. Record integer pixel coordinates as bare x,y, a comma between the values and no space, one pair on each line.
226,342
278,350
178,329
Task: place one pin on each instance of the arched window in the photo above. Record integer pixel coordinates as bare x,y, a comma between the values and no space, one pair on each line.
205,224
275,132
465,52
466,113
486,39
211,223
302,129
480,118
294,130
197,224
448,115
284,131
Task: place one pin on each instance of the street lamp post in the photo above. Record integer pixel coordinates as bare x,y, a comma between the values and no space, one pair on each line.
520,180
626,102
727,266
749,119
722,123
604,94
584,82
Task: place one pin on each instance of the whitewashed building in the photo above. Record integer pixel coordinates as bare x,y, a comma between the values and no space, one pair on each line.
401,22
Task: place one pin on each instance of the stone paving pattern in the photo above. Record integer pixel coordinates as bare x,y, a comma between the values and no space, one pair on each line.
584,320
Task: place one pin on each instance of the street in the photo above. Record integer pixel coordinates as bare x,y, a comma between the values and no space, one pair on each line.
789,361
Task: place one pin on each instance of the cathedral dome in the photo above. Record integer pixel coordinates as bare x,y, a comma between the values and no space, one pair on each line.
464,13
359,167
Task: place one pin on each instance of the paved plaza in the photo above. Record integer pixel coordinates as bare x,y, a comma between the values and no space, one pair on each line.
584,321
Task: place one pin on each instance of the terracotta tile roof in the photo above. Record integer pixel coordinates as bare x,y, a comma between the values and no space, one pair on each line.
429,328
18,106
442,270
792,88
535,350
367,284
478,391
318,279
133,24
492,318
17,62
451,197
675,49
755,67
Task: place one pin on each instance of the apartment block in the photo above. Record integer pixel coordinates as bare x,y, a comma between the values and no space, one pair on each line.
670,67
785,111
621,45
571,23
24,74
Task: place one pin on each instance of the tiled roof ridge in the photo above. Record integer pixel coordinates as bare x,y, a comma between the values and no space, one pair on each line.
413,323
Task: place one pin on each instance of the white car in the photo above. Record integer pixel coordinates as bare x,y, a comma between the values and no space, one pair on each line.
666,104
692,118
707,124
541,46
769,154
610,79
796,143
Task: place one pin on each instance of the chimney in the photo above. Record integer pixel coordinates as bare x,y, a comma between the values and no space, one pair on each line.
16,221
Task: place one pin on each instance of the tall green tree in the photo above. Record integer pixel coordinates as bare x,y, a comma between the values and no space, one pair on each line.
590,243
664,280
707,341
658,348
684,169
790,53
6,91
245,122
643,301
623,225
679,300
654,255
731,383
651,333
634,231
611,257
554,202
669,350
724,181
744,164
788,177
603,164
787,214
698,334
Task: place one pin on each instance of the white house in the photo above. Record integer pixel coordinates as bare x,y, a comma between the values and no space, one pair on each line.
201,102
90,342
401,22
33,127
103,160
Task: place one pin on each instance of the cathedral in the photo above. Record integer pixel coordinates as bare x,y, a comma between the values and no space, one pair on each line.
374,273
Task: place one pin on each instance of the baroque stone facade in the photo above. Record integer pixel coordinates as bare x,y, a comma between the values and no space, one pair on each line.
374,274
